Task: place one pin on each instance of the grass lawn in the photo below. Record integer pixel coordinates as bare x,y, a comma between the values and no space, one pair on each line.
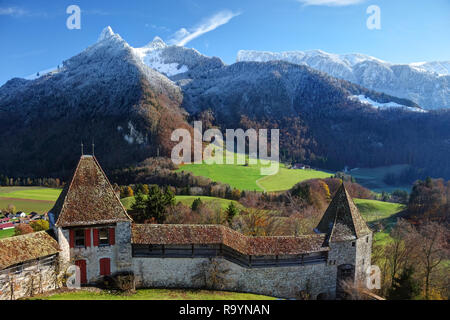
187,200
6,233
157,294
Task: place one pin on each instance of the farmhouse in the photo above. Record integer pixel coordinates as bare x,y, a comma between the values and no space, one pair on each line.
95,233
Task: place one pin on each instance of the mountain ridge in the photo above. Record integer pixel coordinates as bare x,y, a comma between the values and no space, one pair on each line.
120,97
418,82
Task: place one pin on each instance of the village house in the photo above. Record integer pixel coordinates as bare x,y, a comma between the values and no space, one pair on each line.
95,233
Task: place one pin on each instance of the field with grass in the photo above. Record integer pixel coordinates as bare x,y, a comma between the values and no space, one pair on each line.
28,199
32,193
287,178
155,294
379,211
373,210
249,177
372,178
6,233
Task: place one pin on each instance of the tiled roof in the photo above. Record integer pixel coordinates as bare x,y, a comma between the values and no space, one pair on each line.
342,220
89,198
26,247
217,234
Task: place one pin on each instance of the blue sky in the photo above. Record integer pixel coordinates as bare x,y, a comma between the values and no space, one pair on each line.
34,35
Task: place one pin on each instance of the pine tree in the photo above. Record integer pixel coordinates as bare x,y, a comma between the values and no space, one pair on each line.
157,202
231,212
138,207
404,287
196,204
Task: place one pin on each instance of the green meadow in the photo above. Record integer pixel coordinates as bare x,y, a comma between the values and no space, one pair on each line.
373,210
37,193
248,176
372,178
28,199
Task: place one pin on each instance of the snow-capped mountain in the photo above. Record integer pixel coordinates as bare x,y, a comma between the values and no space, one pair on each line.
174,61
131,99
426,83
441,68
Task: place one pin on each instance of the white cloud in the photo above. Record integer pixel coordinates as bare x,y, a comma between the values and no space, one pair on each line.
331,3
12,11
183,36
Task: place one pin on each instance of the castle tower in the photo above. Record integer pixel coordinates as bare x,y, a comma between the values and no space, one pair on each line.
92,226
348,237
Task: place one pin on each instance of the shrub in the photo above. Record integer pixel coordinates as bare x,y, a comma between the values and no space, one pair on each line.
22,228
39,225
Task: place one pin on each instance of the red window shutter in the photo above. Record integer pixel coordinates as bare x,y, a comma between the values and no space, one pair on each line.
107,266
95,237
72,238
87,235
82,265
112,236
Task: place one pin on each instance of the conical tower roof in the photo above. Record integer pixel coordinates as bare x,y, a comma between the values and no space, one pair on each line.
342,220
89,198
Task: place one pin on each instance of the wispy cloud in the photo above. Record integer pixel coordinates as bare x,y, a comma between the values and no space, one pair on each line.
159,28
330,3
12,11
183,36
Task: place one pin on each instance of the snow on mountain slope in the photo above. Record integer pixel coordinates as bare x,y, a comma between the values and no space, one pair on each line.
152,56
174,61
374,104
442,68
426,83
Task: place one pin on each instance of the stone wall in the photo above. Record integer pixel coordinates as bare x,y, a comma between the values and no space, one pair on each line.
123,246
29,279
363,256
283,282
119,253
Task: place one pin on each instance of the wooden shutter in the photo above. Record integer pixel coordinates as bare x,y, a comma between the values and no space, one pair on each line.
87,236
112,236
82,265
105,266
95,237
72,238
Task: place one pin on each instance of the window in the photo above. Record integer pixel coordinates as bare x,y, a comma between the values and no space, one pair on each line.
79,238
103,237
353,243
367,239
